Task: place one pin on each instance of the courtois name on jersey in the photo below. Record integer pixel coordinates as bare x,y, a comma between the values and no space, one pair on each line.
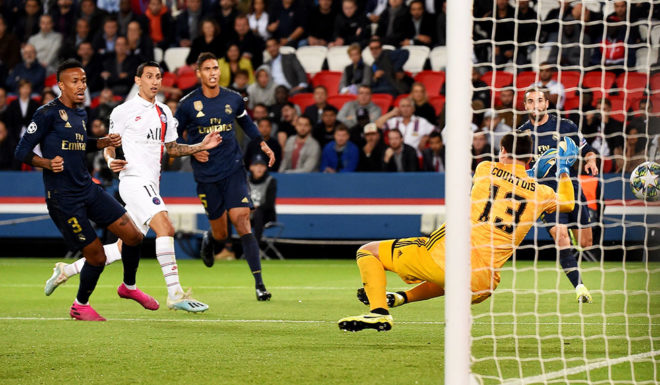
199,116
60,131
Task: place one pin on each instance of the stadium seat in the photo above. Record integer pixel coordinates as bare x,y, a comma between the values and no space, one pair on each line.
338,58
655,100
618,108
438,57
384,101
169,79
284,50
329,79
417,58
312,58
432,80
632,84
644,58
571,104
187,81
50,81
497,79
175,57
398,99
438,103
570,80
540,55
525,79
598,82
339,100
302,100
655,82
158,54
655,35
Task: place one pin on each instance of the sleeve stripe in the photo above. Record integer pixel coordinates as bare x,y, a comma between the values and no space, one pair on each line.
243,114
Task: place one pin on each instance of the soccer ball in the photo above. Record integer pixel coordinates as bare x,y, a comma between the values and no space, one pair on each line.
644,181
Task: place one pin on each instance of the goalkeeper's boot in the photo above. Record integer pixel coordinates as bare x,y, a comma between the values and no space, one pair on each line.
393,299
207,250
262,293
84,313
185,301
137,295
582,294
56,279
376,321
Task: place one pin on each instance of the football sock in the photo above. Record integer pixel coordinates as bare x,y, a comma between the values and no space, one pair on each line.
112,254
425,290
373,277
89,276
251,251
217,245
167,260
380,310
568,261
130,257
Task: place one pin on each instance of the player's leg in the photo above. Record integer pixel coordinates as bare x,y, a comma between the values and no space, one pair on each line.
176,298
240,217
213,241
89,276
568,261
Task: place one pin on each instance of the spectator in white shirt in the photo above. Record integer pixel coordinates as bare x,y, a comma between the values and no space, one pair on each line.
258,19
47,43
495,127
556,89
415,129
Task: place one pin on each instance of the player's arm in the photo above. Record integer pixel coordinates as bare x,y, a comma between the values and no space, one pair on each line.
565,194
36,131
588,153
210,141
95,144
252,132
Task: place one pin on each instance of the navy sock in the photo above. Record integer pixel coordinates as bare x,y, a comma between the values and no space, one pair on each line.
568,261
89,276
130,257
217,245
251,251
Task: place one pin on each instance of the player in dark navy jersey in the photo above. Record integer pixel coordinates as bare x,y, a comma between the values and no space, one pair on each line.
220,174
547,131
71,197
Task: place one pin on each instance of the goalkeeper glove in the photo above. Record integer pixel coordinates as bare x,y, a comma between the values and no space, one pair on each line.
568,154
543,164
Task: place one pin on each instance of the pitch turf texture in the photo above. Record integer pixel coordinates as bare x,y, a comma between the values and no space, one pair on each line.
294,339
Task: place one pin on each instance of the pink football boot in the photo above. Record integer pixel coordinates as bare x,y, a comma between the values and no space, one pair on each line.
137,295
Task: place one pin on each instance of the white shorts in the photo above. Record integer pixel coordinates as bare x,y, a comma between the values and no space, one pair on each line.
142,200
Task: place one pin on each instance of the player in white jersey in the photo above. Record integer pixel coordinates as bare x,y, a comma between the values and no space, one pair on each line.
146,126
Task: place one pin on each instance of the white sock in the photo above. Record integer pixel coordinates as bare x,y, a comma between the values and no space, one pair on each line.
167,260
130,287
112,254
74,268
84,304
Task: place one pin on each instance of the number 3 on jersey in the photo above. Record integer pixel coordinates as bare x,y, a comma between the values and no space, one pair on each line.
498,221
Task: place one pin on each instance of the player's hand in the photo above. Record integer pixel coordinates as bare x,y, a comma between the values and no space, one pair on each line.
269,153
202,156
57,164
211,140
117,165
115,140
590,166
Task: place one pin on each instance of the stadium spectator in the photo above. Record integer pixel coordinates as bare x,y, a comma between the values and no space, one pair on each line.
320,23
19,112
602,132
281,99
285,69
399,157
550,26
643,119
433,157
106,104
424,29
592,22
481,150
315,111
47,95
287,125
231,63
70,44
258,19
495,127
262,91
394,24
10,47
324,132
621,12
7,146
225,16
119,69
92,15
139,45
3,103
92,65
28,69
260,111
301,152
126,15
507,110
374,9
423,108
504,28
349,112
632,153
187,23
209,40
373,150
110,6
350,26
340,155
263,191
63,17
573,50
528,26
441,25
382,76
240,83
47,43
415,129
287,21
27,20
104,41
555,88
161,24
354,73
614,50
251,46
481,90
253,148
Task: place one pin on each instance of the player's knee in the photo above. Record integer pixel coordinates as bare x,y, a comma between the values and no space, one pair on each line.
219,234
134,238
95,257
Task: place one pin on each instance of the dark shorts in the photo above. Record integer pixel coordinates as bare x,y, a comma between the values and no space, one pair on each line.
225,194
72,214
578,218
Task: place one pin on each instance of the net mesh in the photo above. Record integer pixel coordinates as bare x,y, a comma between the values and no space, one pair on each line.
599,60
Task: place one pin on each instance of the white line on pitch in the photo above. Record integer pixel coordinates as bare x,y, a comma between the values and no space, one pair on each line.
34,285
583,368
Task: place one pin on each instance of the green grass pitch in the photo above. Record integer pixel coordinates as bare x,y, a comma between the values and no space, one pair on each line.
294,339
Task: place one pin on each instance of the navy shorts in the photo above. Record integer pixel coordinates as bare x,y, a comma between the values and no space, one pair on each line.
578,218
225,194
72,214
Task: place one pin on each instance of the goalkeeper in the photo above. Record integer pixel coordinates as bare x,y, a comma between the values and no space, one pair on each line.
547,131
505,204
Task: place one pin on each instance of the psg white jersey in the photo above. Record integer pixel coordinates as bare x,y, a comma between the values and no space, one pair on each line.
144,128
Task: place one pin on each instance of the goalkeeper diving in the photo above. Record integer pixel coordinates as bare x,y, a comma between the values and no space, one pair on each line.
506,202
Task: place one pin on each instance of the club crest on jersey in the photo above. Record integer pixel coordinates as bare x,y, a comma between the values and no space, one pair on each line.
227,109
63,115
156,201
32,128
163,118
197,105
